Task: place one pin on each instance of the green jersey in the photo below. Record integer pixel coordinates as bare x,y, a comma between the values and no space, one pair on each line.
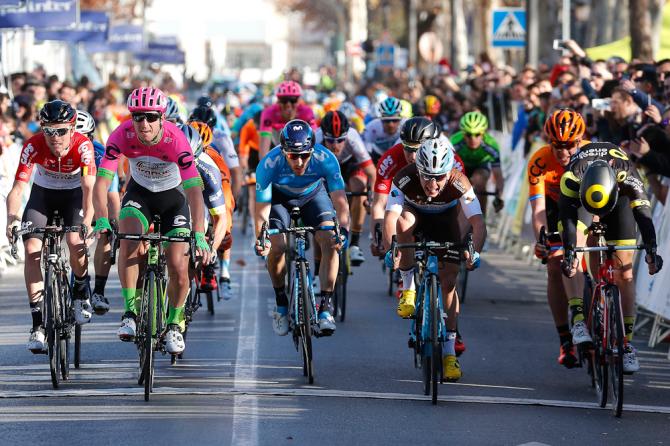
486,156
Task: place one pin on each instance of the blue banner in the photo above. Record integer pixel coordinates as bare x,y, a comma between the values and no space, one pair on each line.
119,38
171,55
13,3
40,14
92,28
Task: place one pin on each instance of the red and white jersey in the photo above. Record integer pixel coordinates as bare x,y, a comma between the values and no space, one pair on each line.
54,172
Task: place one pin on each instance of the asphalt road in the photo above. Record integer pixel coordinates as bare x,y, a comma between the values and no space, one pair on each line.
241,384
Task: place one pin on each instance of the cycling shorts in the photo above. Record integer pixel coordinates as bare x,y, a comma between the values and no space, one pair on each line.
170,205
351,168
315,208
43,203
439,227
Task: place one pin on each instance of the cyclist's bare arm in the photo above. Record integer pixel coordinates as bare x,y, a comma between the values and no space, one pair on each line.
341,206
15,199
378,209
539,215
87,185
236,180
219,224
370,173
100,196
389,228
264,146
478,231
498,179
262,215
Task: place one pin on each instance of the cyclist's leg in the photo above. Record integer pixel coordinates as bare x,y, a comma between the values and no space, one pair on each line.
36,212
407,224
357,183
276,264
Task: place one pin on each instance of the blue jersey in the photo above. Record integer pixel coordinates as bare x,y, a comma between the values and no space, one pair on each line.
211,178
273,170
99,152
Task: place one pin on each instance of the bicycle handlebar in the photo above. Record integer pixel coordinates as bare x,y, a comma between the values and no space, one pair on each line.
16,233
429,245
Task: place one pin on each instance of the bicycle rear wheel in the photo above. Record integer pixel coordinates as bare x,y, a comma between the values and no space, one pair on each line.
77,346
391,273
51,325
306,325
436,350
615,348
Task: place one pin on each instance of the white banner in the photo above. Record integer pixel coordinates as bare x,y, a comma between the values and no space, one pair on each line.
653,292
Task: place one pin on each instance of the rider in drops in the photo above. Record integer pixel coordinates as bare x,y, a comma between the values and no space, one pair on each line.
293,175
425,200
63,183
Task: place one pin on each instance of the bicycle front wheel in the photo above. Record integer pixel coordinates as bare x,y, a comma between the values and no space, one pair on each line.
145,332
306,325
65,306
51,324
615,348
599,363
436,350
462,283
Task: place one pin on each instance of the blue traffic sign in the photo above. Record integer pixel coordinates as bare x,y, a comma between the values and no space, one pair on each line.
509,28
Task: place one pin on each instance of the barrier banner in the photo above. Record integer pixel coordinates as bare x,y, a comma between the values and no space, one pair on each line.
40,14
167,51
653,292
120,38
92,27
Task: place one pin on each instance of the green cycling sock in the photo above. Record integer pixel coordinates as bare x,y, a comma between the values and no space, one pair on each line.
129,299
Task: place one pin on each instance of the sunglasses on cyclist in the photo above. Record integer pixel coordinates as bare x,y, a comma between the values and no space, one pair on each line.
564,145
288,100
150,117
53,132
436,178
473,135
410,149
330,139
295,156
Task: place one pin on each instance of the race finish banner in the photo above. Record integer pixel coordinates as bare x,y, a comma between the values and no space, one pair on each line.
40,14
509,28
119,38
92,27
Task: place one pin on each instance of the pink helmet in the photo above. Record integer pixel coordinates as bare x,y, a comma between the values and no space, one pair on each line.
147,99
289,89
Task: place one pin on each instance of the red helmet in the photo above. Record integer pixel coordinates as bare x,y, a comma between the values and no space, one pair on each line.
147,99
288,89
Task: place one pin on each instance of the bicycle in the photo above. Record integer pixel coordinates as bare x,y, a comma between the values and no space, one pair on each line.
393,276
302,303
58,314
428,329
153,304
605,323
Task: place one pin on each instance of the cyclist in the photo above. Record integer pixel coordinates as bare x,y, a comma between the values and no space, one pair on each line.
63,183
602,181
356,167
221,142
274,118
481,156
248,151
103,250
164,181
564,129
424,200
223,248
382,133
293,174
172,112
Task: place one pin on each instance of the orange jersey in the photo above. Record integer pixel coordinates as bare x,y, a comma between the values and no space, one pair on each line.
544,174
225,183
249,138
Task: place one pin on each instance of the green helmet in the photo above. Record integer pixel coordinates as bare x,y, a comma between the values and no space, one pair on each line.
474,122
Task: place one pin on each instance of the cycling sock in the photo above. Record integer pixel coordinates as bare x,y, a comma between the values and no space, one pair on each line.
129,299
317,267
79,288
175,315
564,333
450,344
326,301
100,283
280,297
407,278
36,313
628,324
576,309
355,236
225,268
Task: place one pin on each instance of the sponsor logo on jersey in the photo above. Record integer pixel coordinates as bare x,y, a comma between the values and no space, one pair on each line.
270,162
85,153
403,181
134,204
215,196
26,154
179,220
385,166
382,186
319,156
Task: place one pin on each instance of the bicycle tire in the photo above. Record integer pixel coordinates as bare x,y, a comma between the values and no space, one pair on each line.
210,302
391,272
147,341
436,346
462,283
67,319
615,348
77,346
51,325
599,362
418,341
588,354
306,325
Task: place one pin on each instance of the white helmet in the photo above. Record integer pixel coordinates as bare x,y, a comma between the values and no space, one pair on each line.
85,123
435,156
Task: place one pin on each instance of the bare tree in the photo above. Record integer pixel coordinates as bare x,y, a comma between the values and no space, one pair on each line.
640,30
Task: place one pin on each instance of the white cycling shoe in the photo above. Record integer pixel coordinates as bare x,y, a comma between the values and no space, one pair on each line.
100,304
126,331
356,256
580,334
83,311
326,323
280,322
174,340
630,362
37,341
226,289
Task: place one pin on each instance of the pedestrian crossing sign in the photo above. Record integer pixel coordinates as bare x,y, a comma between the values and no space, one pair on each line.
509,28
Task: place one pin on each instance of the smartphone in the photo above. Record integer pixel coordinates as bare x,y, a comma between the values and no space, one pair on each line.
601,104
558,44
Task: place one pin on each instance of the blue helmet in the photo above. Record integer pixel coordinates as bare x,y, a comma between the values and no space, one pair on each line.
362,103
389,108
296,136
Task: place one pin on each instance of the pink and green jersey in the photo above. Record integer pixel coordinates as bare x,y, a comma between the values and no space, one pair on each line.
272,121
160,167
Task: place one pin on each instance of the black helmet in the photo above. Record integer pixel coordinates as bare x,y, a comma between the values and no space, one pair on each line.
296,136
56,112
415,130
334,124
599,190
204,101
203,114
